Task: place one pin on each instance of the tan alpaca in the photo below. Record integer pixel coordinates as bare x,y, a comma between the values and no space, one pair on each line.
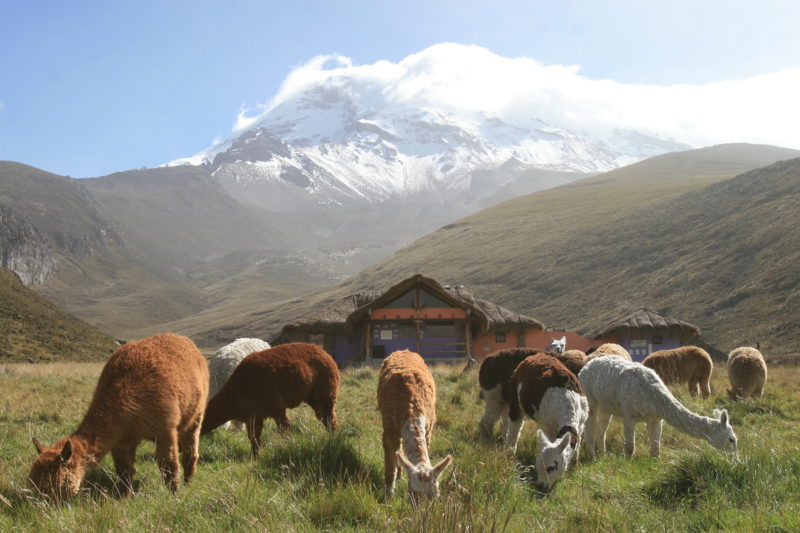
267,383
747,371
152,389
610,348
687,364
407,402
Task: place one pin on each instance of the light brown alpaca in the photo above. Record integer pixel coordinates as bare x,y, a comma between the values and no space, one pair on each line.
609,348
575,353
407,402
687,364
747,371
267,383
152,389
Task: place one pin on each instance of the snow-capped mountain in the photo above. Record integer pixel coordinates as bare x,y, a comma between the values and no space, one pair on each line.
425,125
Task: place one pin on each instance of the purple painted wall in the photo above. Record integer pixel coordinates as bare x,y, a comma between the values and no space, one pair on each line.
642,344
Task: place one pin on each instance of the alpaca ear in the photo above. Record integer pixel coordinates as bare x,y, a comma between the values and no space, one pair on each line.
66,452
39,447
723,417
543,440
405,462
444,463
566,438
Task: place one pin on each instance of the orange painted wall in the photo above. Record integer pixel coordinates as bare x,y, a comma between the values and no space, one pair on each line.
486,344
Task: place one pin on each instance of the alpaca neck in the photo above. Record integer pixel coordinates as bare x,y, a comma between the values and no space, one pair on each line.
217,413
684,420
415,442
89,448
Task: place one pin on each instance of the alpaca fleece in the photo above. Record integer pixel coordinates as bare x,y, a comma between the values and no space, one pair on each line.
533,377
688,364
151,389
225,360
610,348
267,383
747,372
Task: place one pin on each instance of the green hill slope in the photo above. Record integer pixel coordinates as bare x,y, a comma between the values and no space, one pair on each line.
33,328
541,254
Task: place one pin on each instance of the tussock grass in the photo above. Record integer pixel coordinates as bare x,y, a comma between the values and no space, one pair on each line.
310,481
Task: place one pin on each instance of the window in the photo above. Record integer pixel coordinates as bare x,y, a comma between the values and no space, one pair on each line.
500,336
407,331
442,329
657,339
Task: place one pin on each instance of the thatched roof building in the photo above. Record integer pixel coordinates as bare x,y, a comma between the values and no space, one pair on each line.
645,319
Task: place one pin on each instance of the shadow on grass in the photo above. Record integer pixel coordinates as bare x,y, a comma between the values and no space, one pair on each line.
314,459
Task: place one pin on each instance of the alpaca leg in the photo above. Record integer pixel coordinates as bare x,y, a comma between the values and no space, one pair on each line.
654,428
124,459
167,457
254,427
705,388
390,467
603,420
190,442
759,392
694,387
512,433
589,432
630,436
282,422
492,411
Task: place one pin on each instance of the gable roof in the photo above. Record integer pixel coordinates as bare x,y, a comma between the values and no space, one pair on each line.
644,318
489,315
336,313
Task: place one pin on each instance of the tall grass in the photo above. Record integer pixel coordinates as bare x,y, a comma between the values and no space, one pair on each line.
312,481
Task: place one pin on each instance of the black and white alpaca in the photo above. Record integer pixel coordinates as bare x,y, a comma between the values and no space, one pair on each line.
550,394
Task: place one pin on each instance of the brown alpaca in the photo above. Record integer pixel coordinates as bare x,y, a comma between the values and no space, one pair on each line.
267,383
687,364
152,389
609,348
494,378
747,371
407,402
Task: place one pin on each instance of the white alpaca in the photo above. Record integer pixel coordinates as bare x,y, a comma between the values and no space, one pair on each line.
617,387
549,393
225,360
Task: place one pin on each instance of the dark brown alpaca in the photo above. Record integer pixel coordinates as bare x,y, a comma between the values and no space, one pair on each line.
152,389
267,383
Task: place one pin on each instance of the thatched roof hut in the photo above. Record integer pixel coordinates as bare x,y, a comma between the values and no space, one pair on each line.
645,319
486,314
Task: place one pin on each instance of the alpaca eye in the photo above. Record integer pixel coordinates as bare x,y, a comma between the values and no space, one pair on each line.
552,468
732,439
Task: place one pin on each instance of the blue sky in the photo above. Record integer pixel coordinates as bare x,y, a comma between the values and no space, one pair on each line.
89,88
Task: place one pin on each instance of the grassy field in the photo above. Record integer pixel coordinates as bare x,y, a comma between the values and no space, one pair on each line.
311,481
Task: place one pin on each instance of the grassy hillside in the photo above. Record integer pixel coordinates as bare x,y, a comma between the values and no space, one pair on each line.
554,254
310,481
33,328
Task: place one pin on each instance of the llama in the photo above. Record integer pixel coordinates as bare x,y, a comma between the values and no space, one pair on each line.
614,386
151,389
558,345
608,348
268,382
494,378
747,371
687,364
549,393
224,361
407,402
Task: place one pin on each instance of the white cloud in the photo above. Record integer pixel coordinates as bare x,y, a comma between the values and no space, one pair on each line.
466,80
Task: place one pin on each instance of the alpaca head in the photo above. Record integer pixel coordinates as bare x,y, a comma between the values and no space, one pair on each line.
552,461
56,473
423,481
721,435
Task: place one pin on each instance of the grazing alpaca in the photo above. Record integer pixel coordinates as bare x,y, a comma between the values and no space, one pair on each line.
747,371
687,364
225,360
609,348
268,382
494,378
407,402
550,394
152,389
617,387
